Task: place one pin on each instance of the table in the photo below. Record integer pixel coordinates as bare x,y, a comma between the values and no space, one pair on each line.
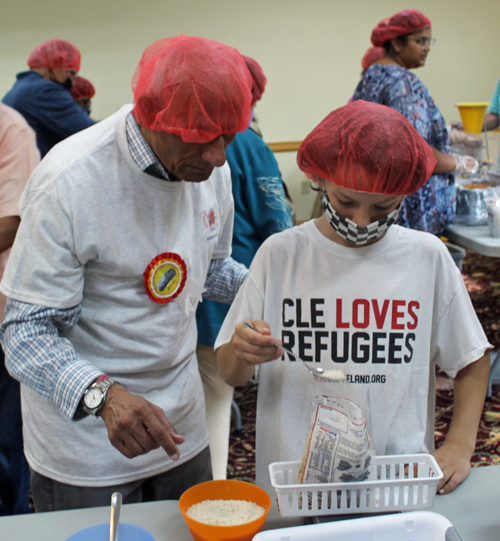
472,508
474,237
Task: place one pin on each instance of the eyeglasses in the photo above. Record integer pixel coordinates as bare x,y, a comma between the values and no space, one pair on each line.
425,43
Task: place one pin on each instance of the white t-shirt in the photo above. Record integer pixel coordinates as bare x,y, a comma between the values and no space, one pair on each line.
385,314
92,222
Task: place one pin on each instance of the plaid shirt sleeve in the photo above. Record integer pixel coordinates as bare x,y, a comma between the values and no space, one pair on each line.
224,279
40,358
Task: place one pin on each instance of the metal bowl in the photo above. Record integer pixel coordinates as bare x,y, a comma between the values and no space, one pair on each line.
472,195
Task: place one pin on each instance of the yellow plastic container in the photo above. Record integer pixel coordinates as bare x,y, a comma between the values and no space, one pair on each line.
472,115
224,490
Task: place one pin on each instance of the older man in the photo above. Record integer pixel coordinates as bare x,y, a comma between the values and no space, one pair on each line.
124,226
42,95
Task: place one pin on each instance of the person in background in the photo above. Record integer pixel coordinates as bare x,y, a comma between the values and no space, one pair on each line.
259,82
260,210
491,121
19,156
336,291
42,95
82,92
372,54
407,40
493,115
123,227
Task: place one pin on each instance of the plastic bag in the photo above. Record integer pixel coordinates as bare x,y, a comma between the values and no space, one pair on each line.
339,447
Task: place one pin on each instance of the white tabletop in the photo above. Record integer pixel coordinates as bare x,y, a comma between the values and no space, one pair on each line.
473,508
474,237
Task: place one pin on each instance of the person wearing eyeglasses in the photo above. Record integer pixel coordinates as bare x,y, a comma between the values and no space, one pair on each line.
407,40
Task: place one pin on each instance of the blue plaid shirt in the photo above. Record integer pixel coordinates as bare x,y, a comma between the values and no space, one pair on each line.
37,355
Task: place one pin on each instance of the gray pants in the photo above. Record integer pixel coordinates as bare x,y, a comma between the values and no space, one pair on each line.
49,495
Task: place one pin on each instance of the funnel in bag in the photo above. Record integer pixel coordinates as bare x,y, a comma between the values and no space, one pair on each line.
472,114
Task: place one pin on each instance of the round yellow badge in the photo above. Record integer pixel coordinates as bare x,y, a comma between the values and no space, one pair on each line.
165,277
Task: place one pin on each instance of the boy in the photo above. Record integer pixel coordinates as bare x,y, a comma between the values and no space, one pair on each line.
351,290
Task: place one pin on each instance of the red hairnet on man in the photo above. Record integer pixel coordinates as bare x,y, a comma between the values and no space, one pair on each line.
55,54
126,225
183,75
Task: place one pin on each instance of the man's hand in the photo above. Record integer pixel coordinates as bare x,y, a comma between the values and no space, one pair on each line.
454,461
136,426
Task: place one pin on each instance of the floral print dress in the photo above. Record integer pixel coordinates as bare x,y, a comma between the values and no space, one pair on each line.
432,208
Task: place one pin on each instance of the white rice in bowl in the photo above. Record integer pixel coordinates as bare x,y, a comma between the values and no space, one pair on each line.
225,512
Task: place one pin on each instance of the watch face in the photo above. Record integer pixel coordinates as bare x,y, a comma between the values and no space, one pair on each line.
93,398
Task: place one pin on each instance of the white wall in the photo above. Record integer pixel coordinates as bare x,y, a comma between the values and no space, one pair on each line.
310,51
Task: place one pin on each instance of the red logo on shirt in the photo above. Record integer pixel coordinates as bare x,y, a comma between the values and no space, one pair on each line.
210,220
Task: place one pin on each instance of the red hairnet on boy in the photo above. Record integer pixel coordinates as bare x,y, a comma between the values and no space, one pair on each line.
367,147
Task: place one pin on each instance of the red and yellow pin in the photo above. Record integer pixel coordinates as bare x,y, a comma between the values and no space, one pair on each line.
165,277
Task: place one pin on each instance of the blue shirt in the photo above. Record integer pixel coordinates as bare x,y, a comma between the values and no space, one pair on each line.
433,207
260,210
48,108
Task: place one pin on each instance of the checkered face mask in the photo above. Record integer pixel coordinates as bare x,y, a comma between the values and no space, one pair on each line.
351,231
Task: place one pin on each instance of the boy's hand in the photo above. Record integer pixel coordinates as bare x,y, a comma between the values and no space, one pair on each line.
454,461
254,347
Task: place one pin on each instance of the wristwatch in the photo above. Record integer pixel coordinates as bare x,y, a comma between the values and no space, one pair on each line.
94,397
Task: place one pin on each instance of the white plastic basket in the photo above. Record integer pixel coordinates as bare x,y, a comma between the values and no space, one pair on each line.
413,526
399,483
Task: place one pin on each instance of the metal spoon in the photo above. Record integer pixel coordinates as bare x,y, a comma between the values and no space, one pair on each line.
316,371
116,506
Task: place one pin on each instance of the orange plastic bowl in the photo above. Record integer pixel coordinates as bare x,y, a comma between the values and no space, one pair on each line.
224,490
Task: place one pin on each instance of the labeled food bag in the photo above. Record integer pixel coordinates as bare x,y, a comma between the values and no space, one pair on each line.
339,447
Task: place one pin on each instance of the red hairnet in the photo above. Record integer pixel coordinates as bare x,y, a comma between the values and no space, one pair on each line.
82,88
55,54
258,77
371,56
404,22
195,88
367,147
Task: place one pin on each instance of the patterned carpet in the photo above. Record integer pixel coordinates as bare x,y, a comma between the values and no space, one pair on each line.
482,278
